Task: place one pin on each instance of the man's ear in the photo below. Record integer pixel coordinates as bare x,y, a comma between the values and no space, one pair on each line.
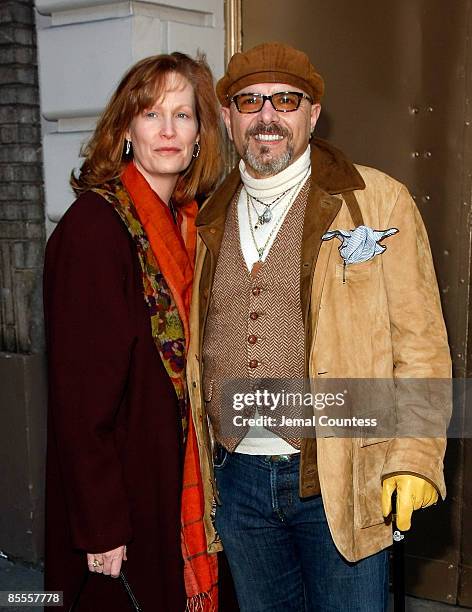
314,115
226,114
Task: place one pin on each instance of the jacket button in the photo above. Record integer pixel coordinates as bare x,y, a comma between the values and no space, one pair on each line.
212,230
253,316
253,363
256,291
252,339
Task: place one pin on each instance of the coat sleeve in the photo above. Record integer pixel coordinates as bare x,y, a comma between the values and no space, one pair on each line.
89,330
421,357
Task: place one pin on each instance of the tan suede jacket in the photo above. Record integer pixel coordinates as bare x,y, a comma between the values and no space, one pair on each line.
386,313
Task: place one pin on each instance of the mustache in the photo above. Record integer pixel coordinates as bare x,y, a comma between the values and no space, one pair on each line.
273,129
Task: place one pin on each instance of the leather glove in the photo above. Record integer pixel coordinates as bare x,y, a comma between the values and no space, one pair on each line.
413,493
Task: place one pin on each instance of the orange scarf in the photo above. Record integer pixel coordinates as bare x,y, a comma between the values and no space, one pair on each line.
175,255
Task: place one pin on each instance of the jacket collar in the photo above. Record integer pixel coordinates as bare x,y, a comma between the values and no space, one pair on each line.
331,172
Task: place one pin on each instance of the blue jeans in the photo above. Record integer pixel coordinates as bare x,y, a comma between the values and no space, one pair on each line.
279,547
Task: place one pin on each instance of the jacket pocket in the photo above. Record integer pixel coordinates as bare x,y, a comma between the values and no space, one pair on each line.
370,458
367,441
352,273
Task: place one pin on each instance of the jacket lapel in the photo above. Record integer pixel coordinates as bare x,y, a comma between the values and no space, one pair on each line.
321,210
210,223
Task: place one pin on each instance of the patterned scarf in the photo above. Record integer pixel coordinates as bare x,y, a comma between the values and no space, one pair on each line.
166,257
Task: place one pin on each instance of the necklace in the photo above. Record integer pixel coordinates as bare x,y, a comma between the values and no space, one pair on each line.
261,249
266,216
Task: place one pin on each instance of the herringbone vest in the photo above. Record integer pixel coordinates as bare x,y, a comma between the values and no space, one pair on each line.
255,326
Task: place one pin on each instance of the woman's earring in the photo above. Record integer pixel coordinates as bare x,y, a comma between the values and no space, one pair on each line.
128,147
196,150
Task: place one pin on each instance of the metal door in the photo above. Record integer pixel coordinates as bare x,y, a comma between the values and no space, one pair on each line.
398,85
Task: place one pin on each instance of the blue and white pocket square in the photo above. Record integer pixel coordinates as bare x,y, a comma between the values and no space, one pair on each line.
360,244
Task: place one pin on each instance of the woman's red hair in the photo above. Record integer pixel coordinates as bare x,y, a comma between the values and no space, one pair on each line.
141,86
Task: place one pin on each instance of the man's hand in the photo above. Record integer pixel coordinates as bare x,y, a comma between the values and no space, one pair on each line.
413,493
108,563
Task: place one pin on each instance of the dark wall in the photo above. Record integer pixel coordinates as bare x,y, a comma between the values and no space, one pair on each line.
398,97
21,191
22,238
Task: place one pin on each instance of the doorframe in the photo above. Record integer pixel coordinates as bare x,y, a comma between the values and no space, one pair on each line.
233,28
233,44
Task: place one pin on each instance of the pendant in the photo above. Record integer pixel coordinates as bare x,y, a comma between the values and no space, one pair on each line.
267,216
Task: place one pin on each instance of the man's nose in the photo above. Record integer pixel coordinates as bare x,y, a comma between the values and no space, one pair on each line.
268,113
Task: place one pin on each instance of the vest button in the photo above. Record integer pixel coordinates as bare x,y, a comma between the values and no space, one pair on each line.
256,291
253,316
212,230
252,339
253,363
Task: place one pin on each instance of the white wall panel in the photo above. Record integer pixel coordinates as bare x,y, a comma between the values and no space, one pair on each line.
77,77
61,155
85,47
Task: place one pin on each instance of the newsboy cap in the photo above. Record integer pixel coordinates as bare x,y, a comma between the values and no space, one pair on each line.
272,62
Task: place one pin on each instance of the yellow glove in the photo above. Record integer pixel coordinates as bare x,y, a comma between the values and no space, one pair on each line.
413,493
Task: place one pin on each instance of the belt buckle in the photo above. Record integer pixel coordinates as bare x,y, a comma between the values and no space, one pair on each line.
279,458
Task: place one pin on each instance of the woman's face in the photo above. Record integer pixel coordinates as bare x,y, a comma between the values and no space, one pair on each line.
164,136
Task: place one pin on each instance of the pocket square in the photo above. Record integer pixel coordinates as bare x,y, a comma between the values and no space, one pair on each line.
360,244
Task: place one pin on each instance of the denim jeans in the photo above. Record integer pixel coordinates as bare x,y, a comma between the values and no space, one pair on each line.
279,547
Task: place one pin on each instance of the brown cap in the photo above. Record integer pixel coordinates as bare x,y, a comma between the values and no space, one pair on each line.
272,62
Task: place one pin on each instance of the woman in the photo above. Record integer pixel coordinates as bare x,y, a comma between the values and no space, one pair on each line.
118,276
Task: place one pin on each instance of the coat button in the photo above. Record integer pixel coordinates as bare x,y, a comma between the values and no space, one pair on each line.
252,339
256,291
253,363
253,316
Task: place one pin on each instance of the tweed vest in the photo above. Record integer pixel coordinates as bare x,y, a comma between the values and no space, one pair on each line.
254,329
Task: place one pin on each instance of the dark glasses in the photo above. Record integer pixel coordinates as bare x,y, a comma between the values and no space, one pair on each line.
282,101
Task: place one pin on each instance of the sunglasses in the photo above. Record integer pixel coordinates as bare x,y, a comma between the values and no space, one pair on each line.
282,101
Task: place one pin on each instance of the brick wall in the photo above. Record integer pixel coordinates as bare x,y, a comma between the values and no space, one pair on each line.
22,232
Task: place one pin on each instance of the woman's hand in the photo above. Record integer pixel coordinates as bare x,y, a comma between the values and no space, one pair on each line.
108,563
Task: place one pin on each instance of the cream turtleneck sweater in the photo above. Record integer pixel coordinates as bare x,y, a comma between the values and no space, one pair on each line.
267,189
260,441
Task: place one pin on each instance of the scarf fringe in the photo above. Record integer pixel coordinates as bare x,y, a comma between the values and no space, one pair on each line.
197,603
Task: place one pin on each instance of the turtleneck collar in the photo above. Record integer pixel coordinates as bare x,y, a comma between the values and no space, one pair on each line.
274,185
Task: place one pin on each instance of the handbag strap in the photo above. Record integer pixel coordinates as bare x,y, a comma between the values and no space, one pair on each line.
73,605
124,582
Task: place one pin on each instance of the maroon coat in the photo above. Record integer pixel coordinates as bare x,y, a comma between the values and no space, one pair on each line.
114,447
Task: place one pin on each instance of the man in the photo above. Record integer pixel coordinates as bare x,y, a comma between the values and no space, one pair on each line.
302,519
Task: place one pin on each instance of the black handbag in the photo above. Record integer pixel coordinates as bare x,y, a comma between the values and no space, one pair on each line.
122,578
